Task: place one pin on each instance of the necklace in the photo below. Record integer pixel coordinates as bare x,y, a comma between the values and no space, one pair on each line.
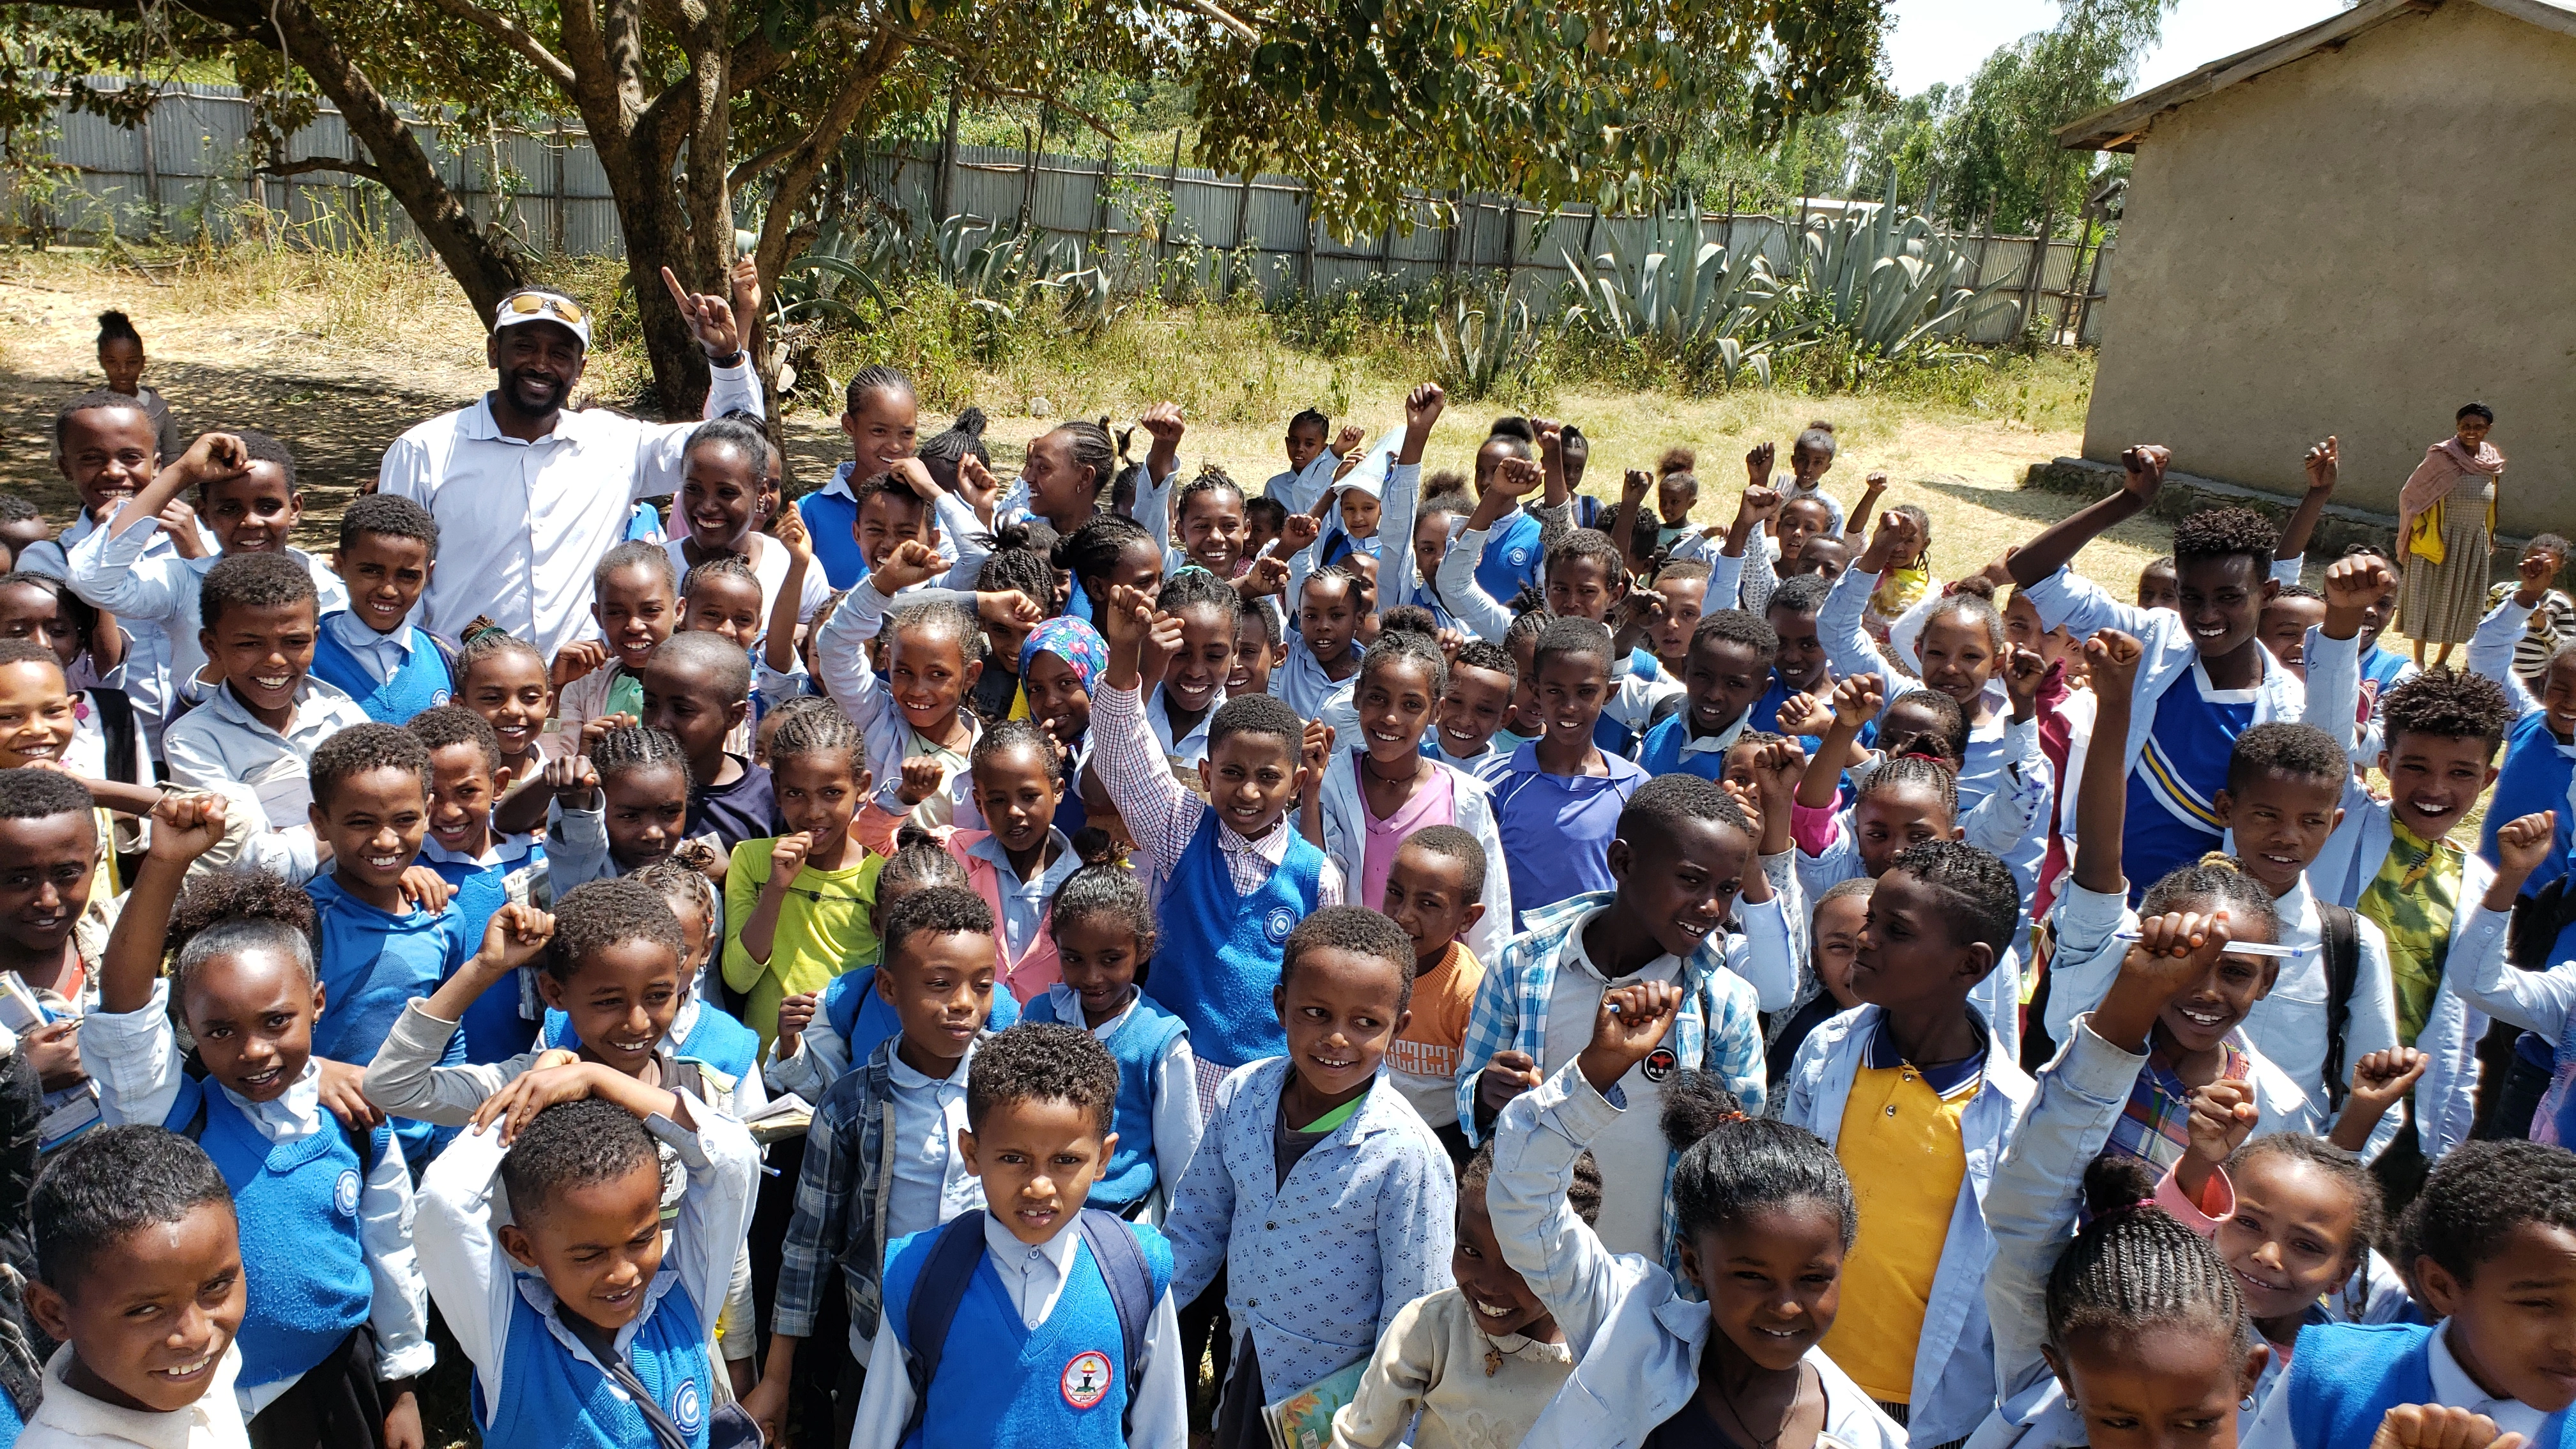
1368,767
1797,1396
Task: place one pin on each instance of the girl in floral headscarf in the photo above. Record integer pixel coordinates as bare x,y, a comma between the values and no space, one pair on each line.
1059,667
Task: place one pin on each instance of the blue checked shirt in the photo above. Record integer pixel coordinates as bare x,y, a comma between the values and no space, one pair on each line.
1719,1027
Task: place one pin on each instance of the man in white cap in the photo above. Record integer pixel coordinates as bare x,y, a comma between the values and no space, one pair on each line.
527,495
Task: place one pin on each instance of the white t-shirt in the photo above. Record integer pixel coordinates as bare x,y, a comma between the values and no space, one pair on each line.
769,563
1632,1155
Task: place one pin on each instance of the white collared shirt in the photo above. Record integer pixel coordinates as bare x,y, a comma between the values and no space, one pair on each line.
221,740
70,1419
1190,748
381,655
523,523
1032,1276
123,574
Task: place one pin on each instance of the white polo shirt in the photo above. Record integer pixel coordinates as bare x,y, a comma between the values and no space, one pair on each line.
522,524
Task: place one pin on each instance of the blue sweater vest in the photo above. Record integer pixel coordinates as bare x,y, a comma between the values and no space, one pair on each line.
1218,962
1661,754
715,1039
864,1019
373,965
831,525
1138,1043
2344,1377
1062,1384
2537,774
298,1206
422,683
551,1398
496,1026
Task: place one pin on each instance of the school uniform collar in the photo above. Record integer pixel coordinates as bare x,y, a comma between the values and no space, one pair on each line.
2452,1385
907,1080
309,693
1271,846
1068,1010
503,850
95,1421
1718,743
358,635
1158,718
532,1287
296,1113
1057,1249
989,850
840,483
1381,1109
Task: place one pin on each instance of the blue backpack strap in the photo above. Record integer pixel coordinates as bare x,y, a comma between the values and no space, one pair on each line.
935,1296
1131,1286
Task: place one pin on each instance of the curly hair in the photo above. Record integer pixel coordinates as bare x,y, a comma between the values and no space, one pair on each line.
1023,569
591,918
1984,905
1586,543
2369,1204
2216,533
1043,1061
1451,842
28,794
2300,752
1257,714
362,748
92,1197
239,896
388,515
940,910
1735,626
453,724
1663,803
1572,638
1489,656
935,617
2480,1193
581,1143
2450,704
1356,931
253,581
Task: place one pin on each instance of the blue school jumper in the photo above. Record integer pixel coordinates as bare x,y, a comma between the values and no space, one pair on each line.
864,1020
1062,1384
554,1398
372,966
1611,734
300,1245
2170,821
1661,754
1512,557
423,682
498,1025
2344,1377
831,526
715,1039
2537,774
1138,1042
1219,958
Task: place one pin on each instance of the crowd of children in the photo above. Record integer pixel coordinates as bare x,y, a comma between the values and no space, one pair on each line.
1105,958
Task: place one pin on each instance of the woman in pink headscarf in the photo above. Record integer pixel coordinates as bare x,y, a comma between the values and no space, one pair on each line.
2445,534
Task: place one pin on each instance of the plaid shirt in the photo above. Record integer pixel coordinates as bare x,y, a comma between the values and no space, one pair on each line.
2155,1127
1718,1029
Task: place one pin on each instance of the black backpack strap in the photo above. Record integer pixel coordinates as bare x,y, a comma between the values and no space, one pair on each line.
116,730
1122,1265
2340,934
933,1307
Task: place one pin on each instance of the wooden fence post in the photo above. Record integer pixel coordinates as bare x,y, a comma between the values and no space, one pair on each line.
1100,194
2035,271
1306,245
939,183
2092,287
1171,198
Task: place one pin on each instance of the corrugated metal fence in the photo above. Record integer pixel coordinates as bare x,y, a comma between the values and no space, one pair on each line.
188,169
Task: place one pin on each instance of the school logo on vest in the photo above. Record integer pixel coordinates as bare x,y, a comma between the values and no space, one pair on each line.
1659,1064
1282,920
1518,556
344,1193
1086,1379
439,697
688,1407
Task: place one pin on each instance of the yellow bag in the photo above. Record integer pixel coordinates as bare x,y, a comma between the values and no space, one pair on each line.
2424,540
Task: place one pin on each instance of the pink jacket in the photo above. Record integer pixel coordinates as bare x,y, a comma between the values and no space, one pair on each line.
1037,967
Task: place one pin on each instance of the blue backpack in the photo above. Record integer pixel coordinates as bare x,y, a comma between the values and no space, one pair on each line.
953,1258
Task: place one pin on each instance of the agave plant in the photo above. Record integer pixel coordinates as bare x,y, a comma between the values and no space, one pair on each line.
1887,288
1697,301
1485,341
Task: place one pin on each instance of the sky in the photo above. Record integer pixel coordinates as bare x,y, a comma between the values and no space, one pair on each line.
1933,41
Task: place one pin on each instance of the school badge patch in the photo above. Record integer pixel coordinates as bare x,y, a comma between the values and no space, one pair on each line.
1085,1380
344,1193
688,1407
1659,1064
1282,920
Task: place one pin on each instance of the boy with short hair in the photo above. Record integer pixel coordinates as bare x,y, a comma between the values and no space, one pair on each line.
1317,1191
1472,709
247,494
1231,874
2394,860
371,650
1073,1328
1680,865
2549,623
1917,1092
484,865
883,1158
1799,666
1435,895
263,724
697,689
2286,619
581,1326
139,1277
1309,472
1557,801
2205,678
1731,653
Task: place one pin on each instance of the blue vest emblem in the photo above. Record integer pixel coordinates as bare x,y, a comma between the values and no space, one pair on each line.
344,1193
1085,1380
1281,921
688,1407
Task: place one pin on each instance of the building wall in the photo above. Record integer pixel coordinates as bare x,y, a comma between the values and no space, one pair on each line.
2357,243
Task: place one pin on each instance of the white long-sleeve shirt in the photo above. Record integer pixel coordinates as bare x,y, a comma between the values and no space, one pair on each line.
1032,1276
841,653
125,575
135,1059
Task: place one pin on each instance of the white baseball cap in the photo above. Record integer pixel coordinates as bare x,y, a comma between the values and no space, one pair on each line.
534,305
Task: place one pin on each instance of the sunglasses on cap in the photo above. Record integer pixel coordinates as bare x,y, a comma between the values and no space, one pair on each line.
530,304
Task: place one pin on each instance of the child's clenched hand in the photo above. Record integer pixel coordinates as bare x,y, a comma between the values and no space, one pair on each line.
2439,1426
1630,1024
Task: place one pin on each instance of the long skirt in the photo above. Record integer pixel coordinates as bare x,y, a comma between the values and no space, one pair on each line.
2441,603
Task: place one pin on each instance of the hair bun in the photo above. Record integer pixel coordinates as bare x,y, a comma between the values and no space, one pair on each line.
1696,1104
2117,1185
1820,426
1677,460
971,421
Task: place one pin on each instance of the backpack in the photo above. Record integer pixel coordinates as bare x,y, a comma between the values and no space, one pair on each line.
953,1258
2340,935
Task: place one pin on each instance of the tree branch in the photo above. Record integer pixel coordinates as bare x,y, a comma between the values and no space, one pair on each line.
324,163
511,34
752,166
972,73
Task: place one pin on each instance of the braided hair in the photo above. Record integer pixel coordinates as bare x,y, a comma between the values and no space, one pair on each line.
639,747
2135,1265
2217,881
816,732
1732,1165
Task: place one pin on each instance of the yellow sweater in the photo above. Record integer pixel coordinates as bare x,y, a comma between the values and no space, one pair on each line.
824,929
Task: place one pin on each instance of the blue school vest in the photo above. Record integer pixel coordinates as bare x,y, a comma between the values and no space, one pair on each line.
552,1398
831,526
864,1020
372,966
1661,754
1511,559
2536,775
715,1039
2344,1377
2170,820
496,1026
422,683
1610,732
1062,1384
1138,1043
298,1206
1218,962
